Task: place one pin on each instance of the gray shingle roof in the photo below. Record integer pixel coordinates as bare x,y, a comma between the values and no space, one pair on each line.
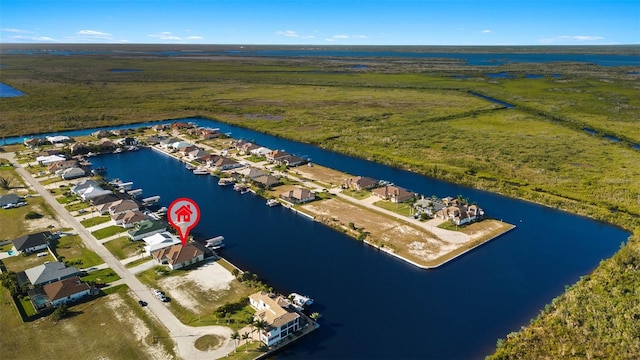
50,272
31,240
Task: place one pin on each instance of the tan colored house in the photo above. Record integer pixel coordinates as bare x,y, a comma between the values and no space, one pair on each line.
298,196
178,256
121,206
128,219
360,183
392,193
281,319
67,290
61,165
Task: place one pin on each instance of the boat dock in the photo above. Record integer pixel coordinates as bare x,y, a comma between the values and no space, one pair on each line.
150,200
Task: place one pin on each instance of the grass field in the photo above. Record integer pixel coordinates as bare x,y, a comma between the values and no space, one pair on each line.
123,247
108,231
93,331
72,249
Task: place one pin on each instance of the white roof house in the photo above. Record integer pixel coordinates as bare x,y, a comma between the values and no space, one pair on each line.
72,173
58,139
261,151
92,192
160,241
47,160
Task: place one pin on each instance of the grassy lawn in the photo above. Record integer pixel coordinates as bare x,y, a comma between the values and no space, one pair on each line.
102,276
108,231
77,206
94,331
123,247
95,221
27,306
72,249
19,263
137,262
66,199
248,351
254,158
404,209
357,194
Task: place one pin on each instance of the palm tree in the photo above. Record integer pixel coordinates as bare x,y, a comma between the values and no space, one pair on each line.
5,183
260,325
245,337
235,336
315,316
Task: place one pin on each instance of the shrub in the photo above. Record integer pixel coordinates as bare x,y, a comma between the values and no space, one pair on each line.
32,215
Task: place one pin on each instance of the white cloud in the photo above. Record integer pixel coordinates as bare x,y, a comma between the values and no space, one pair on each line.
486,31
167,35
293,34
345,36
21,38
340,36
92,34
16,31
570,39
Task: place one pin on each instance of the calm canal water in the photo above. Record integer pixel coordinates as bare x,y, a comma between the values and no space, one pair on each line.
373,305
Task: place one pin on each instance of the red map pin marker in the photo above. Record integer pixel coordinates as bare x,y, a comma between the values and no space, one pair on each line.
184,214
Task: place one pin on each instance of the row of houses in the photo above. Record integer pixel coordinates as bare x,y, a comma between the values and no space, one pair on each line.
278,157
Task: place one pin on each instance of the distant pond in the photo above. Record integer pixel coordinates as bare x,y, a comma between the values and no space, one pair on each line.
7,91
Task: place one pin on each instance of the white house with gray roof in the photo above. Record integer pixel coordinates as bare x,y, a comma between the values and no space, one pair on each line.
50,272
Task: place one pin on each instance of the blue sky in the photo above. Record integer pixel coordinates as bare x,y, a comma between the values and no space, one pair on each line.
323,22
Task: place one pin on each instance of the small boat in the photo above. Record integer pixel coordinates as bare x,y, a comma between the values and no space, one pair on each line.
117,151
300,300
225,181
245,190
215,243
132,148
239,187
200,171
189,167
273,202
162,211
91,154
99,170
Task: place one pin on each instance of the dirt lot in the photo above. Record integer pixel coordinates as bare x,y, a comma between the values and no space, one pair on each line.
207,281
322,174
403,239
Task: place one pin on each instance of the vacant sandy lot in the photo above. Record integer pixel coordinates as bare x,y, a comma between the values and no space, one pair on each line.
403,239
209,278
322,174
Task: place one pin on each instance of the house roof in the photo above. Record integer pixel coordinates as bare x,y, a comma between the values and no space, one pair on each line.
267,180
123,205
63,288
9,199
147,226
298,193
48,272
277,154
274,313
224,161
31,240
251,172
393,191
104,199
177,254
365,182
86,183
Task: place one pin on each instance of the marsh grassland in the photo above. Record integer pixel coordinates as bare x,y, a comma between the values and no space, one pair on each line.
414,114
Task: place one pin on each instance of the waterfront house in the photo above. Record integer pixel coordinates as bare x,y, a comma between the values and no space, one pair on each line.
92,192
31,243
224,163
181,125
79,148
207,134
293,161
128,219
160,127
107,145
146,228
247,148
261,151
251,172
360,183
277,156
184,150
104,199
101,134
153,140
298,195
66,290
266,181
160,241
59,139
128,141
9,199
72,173
197,154
83,185
49,152
168,142
35,142
178,256
392,193
429,206
46,273
61,165
282,321
49,159
460,214
123,205
121,132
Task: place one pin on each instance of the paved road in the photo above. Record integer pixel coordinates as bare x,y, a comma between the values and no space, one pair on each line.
184,336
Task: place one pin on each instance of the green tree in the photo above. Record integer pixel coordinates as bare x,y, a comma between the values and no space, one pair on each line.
235,336
245,337
5,183
60,312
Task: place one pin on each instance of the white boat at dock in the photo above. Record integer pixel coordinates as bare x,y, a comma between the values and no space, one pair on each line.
245,190
300,300
273,202
189,166
200,171
239,187
215,242
150,200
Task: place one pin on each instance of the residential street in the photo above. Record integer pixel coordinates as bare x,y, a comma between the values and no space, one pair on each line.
184,336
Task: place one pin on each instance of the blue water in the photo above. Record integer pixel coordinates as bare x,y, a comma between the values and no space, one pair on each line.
474,59
7,91
373,305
